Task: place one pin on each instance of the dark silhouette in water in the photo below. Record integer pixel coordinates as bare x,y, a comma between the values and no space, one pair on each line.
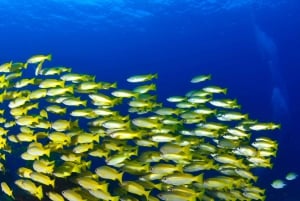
279,97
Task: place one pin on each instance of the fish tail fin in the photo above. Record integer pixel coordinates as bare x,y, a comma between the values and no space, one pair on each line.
74,124
96,137
153,87
113,85
39,192
64,110
120,177
199,178
32,81
158,186
180,167
84,103
49,57
147,193
52,183
48,152
88,164
71,89
199,195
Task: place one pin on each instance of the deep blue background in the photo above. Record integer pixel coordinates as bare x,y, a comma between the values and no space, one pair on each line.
178,40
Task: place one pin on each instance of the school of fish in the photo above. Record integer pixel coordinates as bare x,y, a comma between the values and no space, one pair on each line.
71,137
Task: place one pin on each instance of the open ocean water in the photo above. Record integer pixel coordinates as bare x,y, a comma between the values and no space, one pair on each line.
250,47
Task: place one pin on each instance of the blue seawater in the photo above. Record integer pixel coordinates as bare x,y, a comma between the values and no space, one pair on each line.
250,47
